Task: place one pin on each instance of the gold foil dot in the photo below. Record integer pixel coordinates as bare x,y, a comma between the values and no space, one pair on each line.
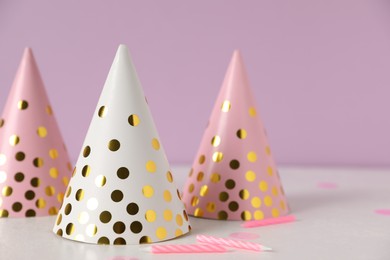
222,215
69,166
275,212
250,176
38,162
194,201
83,217
65,181
178,232
2,122
86,151
53,172
185,215
79,195
270,171
256,202
223,196
116,195
103,241
49,111
105,217
59,232
215,177
42,131
252,111
233,206
29,195
167,196
19,156
40,203
202,159
114,145
161,233
178,194
268,150
35,182
263,186
3,176
102,111
145,240
91,230
3,159
155,144
30,213
234,164
22,105
191,188
68,209
136,227
252,156
217,156
179,220
17,206
148,191
275,191
167,214
53,153
226,106
268,201
119,227
68,191
119,241
203,190
122,173
134,120
169,177
200,176
198,212
246,215
7,191
215,141
100,180
50,190
258,215
150,215
230,184
244,194
14,140
210,207
59,219
60,197
241,133
151,166
132,208
19,177
85,171
282,205
74,171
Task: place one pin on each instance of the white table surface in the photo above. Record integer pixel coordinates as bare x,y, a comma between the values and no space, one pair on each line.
335,223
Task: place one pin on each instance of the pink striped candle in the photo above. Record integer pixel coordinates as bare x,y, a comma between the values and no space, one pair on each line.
271,221
231,243
190,248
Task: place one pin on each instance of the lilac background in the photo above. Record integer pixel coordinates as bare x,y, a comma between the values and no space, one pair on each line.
320,69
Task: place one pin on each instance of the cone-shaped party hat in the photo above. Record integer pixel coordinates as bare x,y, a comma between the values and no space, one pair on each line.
122,191
234,176
34,164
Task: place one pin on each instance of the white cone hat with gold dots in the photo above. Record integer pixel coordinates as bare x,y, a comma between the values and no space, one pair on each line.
34,164
234,176
122,191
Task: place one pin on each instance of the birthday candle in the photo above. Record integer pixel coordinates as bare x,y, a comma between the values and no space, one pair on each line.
189,248
231,243
266,222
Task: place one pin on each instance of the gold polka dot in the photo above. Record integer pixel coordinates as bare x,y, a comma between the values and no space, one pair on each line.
22,105
91,230
116,195
79,195
19,156
29,195
2,122
191,188
169,177
268,201
222,215
74,171
215,177
150,215
17,206
244,194
167,214
92,203
83,217
210,207
234,164
40,203
263,185
38,162
155,144
275,191
3,159
145,240
86,151
256,202
119,241
19,177
178,232
230,184
200,176
14,140
179,220
122,173
148,191
185,215
134,120
275,212
226,106
59,219
69,165
69,229
105,217
201,159
252,156
204,190
53,153
258,215
42,131
250,176
246,215
6,191
53,172
241,133
30,213
270,171
114,145
282,205
35,182
198,212
151,166
119,227
59,232
268,150
223,196
161,233
50,190
65,181
60,197
252,111
68,191
136,227
102,111
100,180
215,141
194,201
68,209
217,156
103,241
49,110
86,170
167,196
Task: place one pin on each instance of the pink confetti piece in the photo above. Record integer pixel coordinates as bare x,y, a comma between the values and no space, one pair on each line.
122,258
385,212
327,185
231,243
190,248
271,221
244,235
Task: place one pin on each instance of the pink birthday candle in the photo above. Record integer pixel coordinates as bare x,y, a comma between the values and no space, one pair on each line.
266,222
231,243
190,248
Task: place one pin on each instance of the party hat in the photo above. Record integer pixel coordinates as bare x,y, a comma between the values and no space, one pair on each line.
122,190
234,176
34,163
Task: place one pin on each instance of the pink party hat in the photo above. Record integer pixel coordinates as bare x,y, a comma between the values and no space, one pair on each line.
234,176
34,163
122,190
